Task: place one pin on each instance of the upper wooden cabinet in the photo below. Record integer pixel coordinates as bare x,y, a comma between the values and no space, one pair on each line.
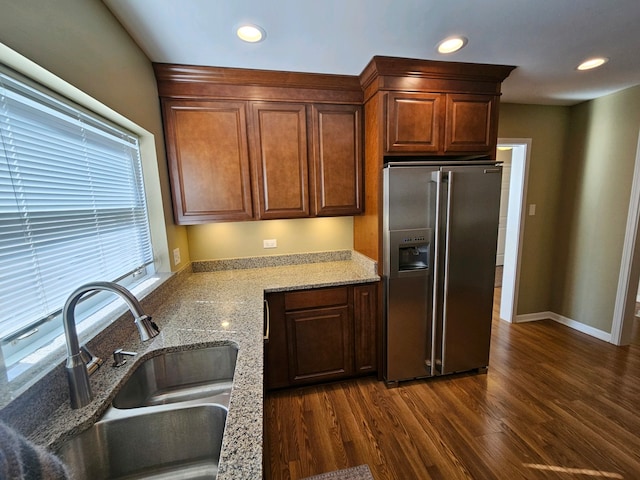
441,124
413,123
280,156
255,144
249,144
208,160
471,124
337,154
433,108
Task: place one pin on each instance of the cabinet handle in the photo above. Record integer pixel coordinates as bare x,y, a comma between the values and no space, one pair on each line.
267,321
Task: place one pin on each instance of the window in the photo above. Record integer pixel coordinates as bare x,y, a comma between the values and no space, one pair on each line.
72,210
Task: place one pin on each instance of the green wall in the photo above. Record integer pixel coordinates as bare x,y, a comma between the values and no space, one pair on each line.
581,169
599,165
244,239
547,127
81,42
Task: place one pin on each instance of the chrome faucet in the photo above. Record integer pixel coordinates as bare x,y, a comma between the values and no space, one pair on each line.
77,369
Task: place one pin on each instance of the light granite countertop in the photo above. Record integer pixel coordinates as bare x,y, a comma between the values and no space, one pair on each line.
221,304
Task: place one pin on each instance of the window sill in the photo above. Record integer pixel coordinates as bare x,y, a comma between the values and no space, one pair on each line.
101,326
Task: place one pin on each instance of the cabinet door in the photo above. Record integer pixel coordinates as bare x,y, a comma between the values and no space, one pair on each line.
320,344
280,155
208,160
413,122
276,354
471,125
365,308
337,159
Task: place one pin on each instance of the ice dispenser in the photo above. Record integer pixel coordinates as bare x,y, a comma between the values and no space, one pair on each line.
410,251
413,258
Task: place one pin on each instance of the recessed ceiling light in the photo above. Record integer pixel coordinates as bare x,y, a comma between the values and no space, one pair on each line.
592,63
452,44
251,33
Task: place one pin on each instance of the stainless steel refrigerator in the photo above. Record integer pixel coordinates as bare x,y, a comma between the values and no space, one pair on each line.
440,229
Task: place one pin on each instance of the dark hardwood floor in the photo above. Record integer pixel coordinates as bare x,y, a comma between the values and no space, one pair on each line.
554,404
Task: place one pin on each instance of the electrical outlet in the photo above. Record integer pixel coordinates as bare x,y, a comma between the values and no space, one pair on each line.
176,256
532,209
270,243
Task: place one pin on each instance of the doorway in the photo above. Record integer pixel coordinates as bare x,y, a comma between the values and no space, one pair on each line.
503,155
518,177
625,306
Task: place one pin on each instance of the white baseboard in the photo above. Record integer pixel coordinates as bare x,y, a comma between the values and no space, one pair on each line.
581,327
532,317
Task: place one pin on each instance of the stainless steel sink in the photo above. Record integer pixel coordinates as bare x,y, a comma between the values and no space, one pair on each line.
161,444
194,376
166,422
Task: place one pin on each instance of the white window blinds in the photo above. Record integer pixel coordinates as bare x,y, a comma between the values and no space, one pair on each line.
72,204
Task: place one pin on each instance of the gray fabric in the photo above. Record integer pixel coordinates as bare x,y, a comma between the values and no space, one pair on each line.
22,460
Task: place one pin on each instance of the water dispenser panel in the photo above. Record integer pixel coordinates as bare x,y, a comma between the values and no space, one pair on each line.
413,257
408,252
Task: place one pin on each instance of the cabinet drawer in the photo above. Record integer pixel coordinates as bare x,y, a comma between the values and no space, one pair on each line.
316,298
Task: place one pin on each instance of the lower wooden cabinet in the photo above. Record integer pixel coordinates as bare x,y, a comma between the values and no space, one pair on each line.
320,335
320,344
365,308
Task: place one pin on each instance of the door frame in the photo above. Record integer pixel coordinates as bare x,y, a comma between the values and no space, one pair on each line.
624,309
520,160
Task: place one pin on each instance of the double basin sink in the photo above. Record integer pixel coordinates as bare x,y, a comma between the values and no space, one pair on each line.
166,422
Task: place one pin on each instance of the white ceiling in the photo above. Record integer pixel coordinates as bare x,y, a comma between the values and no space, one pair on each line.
545,39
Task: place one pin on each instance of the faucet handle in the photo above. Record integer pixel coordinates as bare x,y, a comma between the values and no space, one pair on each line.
118,357
91,361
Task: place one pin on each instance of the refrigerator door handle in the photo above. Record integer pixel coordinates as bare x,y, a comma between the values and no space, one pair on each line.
445,288
436,271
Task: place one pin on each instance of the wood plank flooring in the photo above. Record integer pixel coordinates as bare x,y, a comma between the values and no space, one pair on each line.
554,404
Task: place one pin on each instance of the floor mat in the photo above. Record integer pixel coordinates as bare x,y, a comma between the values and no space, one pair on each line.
360,472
